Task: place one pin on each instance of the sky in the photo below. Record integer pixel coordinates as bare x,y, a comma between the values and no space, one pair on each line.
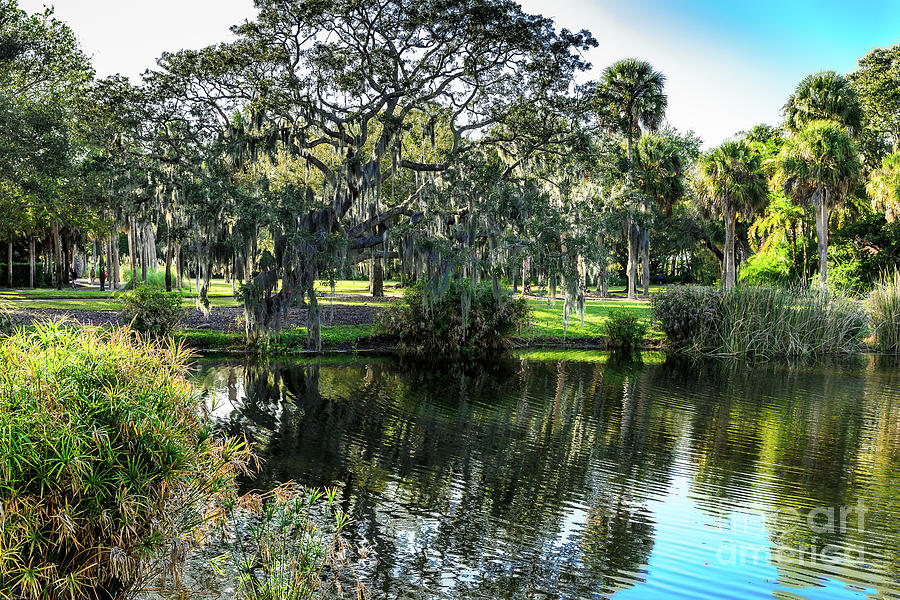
729,64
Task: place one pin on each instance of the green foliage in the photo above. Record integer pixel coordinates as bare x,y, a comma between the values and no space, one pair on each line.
884,310
625,331
107,462
293,547
884,186
21,274
156,278
152,311
759,321
463,319
860,250
767,268
823,96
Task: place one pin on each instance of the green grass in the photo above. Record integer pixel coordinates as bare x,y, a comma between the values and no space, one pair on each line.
291,340
547,318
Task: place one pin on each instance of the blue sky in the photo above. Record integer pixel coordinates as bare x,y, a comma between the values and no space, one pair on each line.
729,64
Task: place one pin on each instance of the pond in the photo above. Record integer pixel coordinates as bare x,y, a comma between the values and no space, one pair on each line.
576,475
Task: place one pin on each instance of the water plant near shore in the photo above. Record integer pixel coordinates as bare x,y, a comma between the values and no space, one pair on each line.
884,309
760,321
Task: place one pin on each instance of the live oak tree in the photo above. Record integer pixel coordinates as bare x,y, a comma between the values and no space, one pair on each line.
327,93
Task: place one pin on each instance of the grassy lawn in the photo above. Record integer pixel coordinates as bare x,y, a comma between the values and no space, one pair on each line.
547,319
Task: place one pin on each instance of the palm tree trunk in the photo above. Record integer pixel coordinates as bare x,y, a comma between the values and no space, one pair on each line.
729,250
179,270
9,261
645,258
633,243
821,204
131,244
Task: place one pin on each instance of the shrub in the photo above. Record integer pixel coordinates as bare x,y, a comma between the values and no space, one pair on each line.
884,309
152,311
108,462
760,321
463,319
21,274
767,269
624,331
685,312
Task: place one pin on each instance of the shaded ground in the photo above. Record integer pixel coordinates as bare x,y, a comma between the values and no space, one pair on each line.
218,318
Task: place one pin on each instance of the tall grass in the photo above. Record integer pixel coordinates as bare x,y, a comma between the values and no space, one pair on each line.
884,310
156,278
760,321
108,468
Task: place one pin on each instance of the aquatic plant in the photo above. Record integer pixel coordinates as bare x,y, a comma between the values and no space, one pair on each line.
884,311
288,545
110,471
760,321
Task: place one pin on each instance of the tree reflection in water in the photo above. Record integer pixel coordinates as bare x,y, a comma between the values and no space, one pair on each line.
560,478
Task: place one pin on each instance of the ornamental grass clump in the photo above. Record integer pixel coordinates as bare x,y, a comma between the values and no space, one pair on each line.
110,471
884,310
760,321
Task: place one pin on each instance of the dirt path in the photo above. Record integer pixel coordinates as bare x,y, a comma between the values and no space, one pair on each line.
219,318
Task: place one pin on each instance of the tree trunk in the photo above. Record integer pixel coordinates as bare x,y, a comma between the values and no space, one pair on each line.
131,244
143,253
169,252
645,251
376,277
9,261
526,275
101,273
30,261
57,250
631,268
822,235
729,271
179,271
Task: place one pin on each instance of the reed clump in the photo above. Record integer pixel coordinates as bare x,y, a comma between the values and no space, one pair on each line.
884,311
760,321
109,470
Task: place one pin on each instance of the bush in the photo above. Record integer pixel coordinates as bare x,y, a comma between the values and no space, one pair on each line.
462,320
624,331
152,311
884,309
108,463
767,269
759,321
21,275
685,313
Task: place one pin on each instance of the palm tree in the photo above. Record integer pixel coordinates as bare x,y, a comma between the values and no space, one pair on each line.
884,186
826,95
629,99
819,165
661,169
730,183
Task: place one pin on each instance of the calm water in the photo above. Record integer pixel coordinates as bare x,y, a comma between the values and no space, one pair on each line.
584,477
